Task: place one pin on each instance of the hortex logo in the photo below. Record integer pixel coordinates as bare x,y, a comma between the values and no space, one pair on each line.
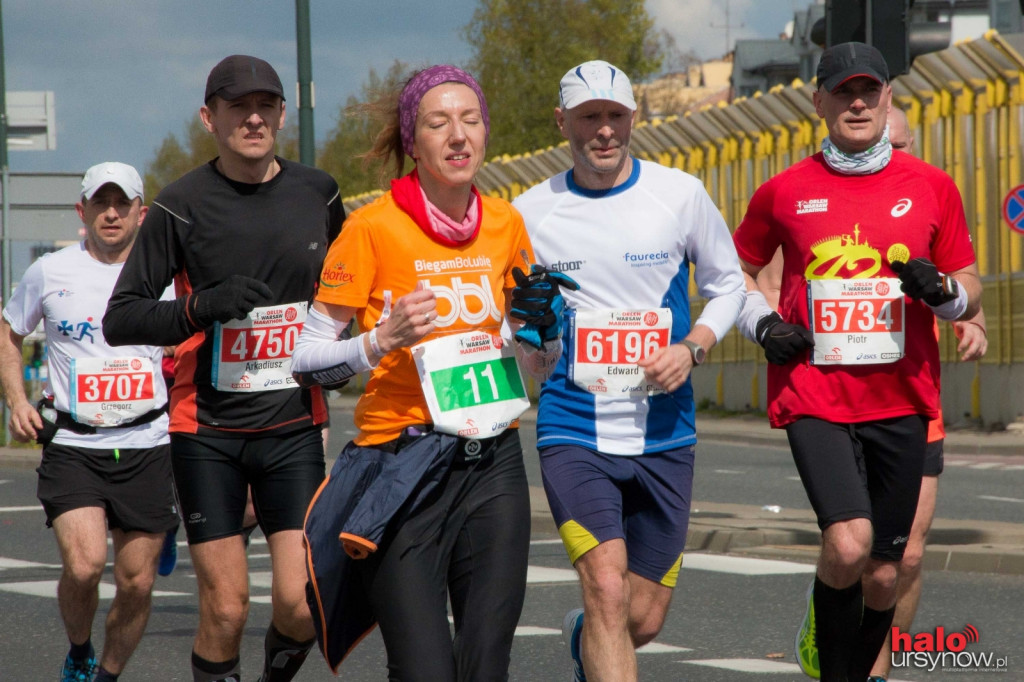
945,651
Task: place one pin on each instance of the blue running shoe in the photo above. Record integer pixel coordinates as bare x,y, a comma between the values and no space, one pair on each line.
169,553
572,631
79,671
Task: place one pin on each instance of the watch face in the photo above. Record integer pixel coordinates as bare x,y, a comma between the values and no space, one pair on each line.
697,351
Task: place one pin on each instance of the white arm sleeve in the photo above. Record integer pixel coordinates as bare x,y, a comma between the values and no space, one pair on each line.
538,363
952,310
320,357
754,309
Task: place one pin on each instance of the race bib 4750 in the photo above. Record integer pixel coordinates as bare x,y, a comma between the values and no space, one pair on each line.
255,353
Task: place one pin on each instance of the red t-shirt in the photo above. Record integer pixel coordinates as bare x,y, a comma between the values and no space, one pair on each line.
833,226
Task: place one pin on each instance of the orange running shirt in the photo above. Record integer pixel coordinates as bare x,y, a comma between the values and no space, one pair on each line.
382,251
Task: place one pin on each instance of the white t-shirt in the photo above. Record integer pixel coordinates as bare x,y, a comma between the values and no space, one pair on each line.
68,290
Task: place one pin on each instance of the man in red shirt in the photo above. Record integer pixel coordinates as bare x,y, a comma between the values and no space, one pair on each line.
867,236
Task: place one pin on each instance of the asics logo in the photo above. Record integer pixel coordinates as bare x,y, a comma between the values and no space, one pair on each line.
901,208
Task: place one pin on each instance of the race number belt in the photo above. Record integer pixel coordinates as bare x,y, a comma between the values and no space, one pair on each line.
610,343
856,321
110,392
472,383
255,353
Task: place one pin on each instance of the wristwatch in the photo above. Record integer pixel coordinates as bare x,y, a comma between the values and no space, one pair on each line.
697,351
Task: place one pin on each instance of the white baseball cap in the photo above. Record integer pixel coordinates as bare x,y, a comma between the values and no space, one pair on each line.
595,80
121,174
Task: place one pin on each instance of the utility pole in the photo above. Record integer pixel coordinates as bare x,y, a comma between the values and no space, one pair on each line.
5,214
307,144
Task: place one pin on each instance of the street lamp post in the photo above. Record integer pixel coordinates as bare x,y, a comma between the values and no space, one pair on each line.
5,187
307,149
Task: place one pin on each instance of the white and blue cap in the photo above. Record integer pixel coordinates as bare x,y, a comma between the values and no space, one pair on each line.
595,80
120,174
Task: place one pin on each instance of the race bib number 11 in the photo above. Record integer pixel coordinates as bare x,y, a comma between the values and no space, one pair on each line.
472,383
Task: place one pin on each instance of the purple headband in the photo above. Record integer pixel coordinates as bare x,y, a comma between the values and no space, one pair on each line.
418,85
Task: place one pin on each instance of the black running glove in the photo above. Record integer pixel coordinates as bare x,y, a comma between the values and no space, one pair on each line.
537,301
232,299
782,341
921,280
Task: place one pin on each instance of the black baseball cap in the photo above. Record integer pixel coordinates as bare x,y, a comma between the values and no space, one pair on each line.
239,75
844,61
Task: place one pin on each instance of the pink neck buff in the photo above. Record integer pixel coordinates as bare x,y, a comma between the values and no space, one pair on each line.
436,224
407,191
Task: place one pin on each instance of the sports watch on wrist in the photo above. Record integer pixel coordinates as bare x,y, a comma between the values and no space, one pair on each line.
697,351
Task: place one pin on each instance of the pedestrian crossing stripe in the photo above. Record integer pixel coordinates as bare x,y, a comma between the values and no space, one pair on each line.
48,588
722,563
749,665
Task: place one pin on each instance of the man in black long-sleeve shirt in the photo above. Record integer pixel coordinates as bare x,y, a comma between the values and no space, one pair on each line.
243,238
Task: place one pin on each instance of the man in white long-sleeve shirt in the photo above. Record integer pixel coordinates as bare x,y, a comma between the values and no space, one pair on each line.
616,419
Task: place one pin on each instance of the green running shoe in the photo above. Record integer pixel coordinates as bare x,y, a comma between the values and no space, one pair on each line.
806,645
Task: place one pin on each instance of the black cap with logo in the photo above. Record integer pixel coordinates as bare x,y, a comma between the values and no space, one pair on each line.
844,61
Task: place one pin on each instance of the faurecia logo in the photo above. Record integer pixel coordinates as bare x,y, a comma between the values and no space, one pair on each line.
941,650
640,260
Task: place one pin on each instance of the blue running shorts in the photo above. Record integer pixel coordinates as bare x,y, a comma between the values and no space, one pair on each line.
643,499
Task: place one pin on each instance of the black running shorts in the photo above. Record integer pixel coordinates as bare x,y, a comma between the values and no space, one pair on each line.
212,476
133,486
869,470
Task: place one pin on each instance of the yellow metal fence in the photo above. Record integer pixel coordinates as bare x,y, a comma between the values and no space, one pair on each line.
965,106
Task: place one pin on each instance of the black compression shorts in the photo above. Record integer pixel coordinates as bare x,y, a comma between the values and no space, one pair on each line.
869,470
132,485
212,476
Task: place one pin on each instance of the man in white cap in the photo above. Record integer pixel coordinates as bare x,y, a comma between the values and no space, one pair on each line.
616,426
106,454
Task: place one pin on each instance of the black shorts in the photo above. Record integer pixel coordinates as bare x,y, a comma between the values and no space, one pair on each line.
133,486
870,470
213,475
934,462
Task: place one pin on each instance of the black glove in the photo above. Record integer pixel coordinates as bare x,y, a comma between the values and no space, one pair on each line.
921,280
537,301
232,299
536,296
782,341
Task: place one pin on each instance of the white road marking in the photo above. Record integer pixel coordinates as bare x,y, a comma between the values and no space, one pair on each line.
533,631
994,498
6,562
5,510
728,471
48,588
542,574
749,665
658,648
743,565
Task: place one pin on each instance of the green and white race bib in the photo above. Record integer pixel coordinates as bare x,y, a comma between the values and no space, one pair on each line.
472,383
